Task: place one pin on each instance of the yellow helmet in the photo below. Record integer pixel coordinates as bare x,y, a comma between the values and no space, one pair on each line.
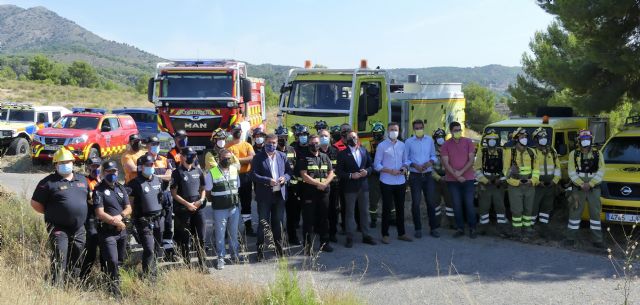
63,155
491,134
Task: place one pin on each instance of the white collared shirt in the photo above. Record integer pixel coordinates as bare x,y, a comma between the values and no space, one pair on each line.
274,171
355,151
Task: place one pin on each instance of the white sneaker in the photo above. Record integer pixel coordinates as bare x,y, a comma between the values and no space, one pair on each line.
220,264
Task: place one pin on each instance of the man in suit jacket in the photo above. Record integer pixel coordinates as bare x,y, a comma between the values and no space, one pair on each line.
270,173
354,165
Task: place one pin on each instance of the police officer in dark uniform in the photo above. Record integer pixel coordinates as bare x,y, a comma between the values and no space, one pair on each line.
292,205
112,209
187,189
181,141
163,170
334,193
317,173
91,246
63,199
146,190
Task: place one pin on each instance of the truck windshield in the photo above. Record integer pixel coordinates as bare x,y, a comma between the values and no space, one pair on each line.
320,95
17,115
197,85
77,122
622,150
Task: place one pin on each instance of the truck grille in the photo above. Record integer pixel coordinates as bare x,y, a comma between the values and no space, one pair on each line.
196,123
620,210
55,141
621,191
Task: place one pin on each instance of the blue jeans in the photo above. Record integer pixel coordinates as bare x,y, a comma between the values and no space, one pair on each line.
423,184
226,220
462,197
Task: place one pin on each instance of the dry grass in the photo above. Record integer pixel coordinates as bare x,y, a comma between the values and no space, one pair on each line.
24,264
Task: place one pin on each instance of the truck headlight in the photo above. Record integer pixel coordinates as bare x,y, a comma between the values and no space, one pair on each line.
81,139
232,104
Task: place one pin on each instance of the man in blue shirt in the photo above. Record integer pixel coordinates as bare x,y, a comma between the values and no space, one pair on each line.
391,163
420,155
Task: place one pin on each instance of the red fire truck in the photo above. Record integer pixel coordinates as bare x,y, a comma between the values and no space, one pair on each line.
200,96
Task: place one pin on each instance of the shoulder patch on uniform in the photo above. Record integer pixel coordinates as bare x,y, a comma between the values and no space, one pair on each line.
107,192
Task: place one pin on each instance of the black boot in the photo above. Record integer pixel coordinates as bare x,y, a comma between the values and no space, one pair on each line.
248,229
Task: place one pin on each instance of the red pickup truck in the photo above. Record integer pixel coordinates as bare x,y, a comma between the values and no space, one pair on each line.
86,133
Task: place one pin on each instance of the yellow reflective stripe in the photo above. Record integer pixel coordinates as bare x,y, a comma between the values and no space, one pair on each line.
334,162
324,167
311,167
290,155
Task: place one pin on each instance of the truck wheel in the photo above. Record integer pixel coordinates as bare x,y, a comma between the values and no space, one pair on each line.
19,146
93,152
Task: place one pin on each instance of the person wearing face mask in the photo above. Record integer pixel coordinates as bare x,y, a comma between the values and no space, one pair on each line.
458,155
520,169
271,173
244,152
258,139
129,158
550,174
187,190
335,134
293,202
317,173
63,199
377,131
586,170
91,246
441,192
219,140
490,177
163,169
334,193
353,168
420,153
146,195
181,140
341,145
390,161
112,209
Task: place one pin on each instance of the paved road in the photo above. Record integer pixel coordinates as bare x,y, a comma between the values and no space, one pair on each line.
438,271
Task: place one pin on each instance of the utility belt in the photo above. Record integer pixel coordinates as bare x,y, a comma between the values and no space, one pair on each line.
149,218
492,177
106,228
420,174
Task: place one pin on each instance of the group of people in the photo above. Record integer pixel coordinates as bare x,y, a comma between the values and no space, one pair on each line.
325,182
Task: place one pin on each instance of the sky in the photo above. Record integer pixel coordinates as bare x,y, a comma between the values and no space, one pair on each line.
334,33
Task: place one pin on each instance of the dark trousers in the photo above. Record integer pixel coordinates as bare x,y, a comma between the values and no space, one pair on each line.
423,184
462,197
150,234
245,192
190,234
293,207
315,208
343,211
66,249
270,214
392,196
91,250
167,206
334,209
113,251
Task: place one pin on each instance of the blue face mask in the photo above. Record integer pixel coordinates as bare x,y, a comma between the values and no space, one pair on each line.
111,178
182,142
270,148
324,140
154,149
65,168
303,139
95,172
147,171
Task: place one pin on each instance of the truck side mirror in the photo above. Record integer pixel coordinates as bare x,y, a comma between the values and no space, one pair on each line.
562,149
150,90
284,88
246,89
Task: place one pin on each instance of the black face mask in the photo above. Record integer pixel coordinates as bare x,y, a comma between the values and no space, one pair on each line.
282,142
314,147
351,142
190,159
135,146
225,163
336,137
344,134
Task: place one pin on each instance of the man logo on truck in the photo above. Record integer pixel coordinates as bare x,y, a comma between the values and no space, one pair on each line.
195,125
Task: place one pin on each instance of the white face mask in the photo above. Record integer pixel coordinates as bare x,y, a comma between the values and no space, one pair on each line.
259,140
440,141
585,143
543,141
393,135
524,141
491,143
220,143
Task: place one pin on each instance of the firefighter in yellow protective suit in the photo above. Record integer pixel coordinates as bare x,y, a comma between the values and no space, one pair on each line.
547,189
586,169
521,171
490,176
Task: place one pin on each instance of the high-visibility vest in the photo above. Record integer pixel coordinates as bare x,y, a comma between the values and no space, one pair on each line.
224,192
